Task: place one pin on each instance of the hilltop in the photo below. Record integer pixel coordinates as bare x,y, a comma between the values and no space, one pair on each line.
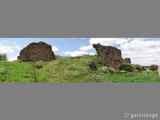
70,69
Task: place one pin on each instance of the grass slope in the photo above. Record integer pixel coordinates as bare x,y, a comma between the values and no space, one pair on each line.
69,69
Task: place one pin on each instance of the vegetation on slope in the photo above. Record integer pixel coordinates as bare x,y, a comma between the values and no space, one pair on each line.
70,69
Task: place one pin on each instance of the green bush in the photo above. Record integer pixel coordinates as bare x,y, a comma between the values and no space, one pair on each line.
138,67
3,57
92,66
39,65
153,67
3,74
126,67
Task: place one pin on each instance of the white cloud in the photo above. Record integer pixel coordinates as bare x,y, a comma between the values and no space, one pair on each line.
108,41
78,53
6,41
12,59
81,38
54,48
105,41
141,50
17,47
6,49
85,48
9,49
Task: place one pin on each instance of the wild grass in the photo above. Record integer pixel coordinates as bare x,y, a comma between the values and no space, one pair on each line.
70,70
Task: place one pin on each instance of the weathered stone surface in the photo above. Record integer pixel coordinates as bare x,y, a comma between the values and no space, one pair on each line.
159,70
36,52
127,60
109,56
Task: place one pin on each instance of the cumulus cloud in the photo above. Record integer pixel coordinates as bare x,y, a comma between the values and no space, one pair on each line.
105,41
9,49
78,53
12,59
6,49
85,48
6,41
108,41
142,51
17,47
54,48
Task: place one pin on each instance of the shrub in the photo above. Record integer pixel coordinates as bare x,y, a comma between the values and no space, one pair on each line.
138,68
4,74
126,67
92,66
39,65
3,57
153,67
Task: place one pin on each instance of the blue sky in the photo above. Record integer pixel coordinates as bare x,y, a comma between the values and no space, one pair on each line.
143,51
12,46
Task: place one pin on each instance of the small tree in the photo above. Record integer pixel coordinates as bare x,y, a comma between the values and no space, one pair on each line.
34,60
34,70
3,57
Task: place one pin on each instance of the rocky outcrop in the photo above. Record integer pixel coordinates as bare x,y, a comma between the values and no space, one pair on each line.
127,60
109,56
36,52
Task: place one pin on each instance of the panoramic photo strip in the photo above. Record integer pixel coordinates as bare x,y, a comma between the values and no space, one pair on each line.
79,60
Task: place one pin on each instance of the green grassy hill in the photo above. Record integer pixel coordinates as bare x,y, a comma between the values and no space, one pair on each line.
69,69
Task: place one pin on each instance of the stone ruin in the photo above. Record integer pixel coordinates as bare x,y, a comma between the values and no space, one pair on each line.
159,70
127,60
36,51
109,56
